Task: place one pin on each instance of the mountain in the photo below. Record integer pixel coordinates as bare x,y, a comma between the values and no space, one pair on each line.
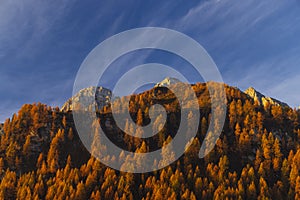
103,97
167,82
256,156
262,99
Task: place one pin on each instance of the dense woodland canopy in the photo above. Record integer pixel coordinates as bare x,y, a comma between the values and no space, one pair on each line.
256,157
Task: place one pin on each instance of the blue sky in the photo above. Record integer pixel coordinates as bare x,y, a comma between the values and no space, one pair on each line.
42,43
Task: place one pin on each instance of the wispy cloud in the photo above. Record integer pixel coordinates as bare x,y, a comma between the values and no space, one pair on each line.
42,44
257,39
24,24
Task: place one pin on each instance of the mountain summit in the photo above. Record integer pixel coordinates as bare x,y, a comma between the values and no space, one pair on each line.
167,82
102,97
262,99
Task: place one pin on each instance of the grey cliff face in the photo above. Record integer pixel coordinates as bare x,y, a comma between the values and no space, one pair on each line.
262,99
102,97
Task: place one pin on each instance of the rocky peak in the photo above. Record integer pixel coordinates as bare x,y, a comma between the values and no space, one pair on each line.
102,97
257,96
167,82
262,99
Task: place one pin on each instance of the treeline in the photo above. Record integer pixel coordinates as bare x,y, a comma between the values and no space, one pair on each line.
256,157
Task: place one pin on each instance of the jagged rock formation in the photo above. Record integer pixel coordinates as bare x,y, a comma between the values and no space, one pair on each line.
167,82
102,97
262,99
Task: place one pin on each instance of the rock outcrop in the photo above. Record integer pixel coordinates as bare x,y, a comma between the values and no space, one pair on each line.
167,82
262,99
84,99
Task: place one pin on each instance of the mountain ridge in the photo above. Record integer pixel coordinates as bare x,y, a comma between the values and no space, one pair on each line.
42,155
167,82
262,99
104,96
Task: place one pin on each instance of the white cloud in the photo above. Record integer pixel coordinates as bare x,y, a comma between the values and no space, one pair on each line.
23,24
227,24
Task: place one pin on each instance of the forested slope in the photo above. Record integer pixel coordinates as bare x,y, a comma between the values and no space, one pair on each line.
257,155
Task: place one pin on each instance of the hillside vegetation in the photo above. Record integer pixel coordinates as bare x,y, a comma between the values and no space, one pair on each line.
256,157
